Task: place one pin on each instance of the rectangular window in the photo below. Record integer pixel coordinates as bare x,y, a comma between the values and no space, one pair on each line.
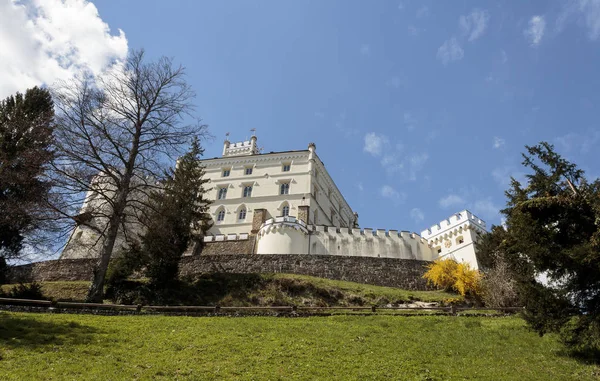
286,167
222,194
248,171
248,191
284,188
226,172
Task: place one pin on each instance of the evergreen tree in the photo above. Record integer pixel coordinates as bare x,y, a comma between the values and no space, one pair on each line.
177,217
26,128
553,232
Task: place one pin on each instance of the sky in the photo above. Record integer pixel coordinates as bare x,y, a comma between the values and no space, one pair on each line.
419,109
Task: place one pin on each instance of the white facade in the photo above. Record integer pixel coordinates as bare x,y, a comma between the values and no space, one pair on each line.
244,180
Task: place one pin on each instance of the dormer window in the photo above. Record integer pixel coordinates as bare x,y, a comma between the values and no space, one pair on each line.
222,194
286,167
226,172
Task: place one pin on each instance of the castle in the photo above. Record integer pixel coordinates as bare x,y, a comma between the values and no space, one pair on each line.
287,203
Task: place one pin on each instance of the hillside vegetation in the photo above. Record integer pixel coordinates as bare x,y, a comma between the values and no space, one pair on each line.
52,346
267,290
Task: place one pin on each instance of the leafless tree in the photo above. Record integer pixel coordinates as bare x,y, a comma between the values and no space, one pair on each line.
115,134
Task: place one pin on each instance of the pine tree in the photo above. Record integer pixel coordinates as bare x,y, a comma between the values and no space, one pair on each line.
178,216
26,128
553,232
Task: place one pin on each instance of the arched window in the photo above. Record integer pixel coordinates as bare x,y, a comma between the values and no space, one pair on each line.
248,191
221,215
284,188
242,214
222,193
285,211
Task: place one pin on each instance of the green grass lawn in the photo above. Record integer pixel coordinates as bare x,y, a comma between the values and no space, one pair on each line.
88,347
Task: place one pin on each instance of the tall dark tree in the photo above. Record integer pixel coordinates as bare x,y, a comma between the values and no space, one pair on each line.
26,127
552,244
114,135
177,217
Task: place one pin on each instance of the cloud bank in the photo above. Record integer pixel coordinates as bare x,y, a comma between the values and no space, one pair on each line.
48,40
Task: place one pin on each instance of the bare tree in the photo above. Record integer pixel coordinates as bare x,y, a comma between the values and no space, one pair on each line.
115,134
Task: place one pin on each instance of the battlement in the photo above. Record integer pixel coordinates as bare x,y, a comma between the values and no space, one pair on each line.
226,237
454,221
247,147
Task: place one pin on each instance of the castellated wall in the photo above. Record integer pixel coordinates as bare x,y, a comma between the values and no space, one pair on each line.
402,273
293,236
369,242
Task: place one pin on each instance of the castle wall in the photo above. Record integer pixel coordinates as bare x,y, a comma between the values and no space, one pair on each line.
369,242
401,273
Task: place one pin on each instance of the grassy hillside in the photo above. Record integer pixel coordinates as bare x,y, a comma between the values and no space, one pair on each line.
270,289
87,347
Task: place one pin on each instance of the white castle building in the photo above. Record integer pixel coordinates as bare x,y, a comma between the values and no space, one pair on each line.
287,203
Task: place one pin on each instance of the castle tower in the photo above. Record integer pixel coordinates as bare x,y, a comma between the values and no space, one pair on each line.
456,236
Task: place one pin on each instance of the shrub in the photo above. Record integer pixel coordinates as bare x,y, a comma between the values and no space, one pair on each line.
499,289
26,291
453,276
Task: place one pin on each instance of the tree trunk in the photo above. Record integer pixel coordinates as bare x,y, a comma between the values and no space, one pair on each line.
96,291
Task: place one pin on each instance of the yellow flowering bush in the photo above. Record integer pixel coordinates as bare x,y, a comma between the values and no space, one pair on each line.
453,276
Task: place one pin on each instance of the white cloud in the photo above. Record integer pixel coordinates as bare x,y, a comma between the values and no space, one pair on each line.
535,32
502,176
582,143
401,6
585,12
417,215
374,144
498,142
389,192
395,82
416,163
409,121
486,209
450,51
451,200
474,24
365,49
504,57
47,40
422,12
360,186
413,30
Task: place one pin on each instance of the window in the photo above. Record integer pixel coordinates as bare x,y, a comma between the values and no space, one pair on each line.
286,167
248,191
284,188
248,171
242,214
221,215
222,193
439,250
285,211
460,240
226,172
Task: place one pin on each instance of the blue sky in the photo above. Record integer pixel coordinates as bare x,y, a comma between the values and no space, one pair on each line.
419,109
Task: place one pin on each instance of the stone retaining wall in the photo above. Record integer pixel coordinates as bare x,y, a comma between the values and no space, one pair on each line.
402,273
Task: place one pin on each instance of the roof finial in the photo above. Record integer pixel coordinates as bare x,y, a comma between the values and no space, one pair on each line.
253,130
